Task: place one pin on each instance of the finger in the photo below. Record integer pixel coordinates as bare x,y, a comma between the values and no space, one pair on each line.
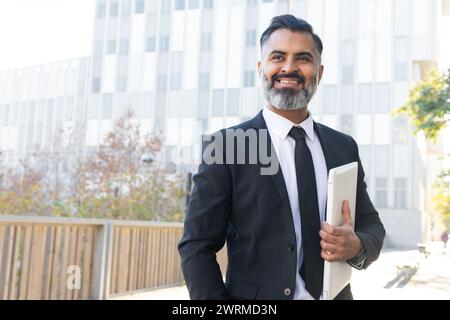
328,228
328,246
334,230
328,256
328,237
346,212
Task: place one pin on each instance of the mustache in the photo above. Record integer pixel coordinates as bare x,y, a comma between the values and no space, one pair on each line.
292,75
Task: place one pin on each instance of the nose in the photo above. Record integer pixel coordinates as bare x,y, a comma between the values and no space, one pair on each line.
289,66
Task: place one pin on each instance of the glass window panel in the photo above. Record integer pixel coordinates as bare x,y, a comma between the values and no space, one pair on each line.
347,124
400,130
346,100
381,192
139,6
381,160
382,97
364,98
180,4
111,47
113,8
152,6
206,41
126,8
203,81
218,103
208,4
194,4
250,39
150,44
203,104
249,78
101,6
329,99
400,193
107,106
233,102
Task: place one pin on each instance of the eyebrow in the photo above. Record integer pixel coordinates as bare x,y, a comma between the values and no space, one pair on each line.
298,54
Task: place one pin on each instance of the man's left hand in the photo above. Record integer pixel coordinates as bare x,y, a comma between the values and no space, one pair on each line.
340,243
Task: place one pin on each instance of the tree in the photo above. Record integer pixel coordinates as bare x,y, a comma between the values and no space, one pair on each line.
122,178
428,108
428,104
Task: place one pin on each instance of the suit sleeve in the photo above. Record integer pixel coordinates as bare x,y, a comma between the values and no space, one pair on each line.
205,232
368,225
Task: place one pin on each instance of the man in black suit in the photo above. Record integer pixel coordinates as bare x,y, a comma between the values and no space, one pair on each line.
273,222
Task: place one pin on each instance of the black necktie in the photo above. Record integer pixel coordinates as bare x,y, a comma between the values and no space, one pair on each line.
312,266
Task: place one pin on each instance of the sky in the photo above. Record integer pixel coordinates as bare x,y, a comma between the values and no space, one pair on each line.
41,31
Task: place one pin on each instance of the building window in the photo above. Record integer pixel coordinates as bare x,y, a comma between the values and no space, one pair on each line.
98,48
250,39
161,82
233,103
96,85
113,8
203,81
175,81
218,103
401,59
180,4
329,99
166,6
107,106
126,8
347,124
364,98
194,4
208,4
400,130
164,43
203,104
139,6
101,9
381,192
249,78
150,44
400,193
111,47
206,41
122,84
348,57
124,45
382,97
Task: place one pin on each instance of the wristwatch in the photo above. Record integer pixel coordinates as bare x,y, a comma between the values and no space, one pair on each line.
358,260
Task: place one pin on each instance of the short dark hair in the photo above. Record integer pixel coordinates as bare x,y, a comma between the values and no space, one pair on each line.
288,21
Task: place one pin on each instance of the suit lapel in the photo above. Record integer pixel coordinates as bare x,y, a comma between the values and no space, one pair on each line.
258,122
326,147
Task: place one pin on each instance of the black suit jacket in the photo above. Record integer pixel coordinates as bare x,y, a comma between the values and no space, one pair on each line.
234,202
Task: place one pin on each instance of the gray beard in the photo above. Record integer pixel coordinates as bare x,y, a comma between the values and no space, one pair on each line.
288,99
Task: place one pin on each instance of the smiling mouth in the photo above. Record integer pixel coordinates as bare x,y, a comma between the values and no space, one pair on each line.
288,81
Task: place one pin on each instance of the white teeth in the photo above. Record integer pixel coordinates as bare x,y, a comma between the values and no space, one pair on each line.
288,81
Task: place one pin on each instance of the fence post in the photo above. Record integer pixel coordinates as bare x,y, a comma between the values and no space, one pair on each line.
100,262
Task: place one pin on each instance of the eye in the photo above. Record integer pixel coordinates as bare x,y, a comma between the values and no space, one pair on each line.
277,57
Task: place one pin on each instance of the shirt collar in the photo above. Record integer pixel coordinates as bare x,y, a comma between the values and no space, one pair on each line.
281,126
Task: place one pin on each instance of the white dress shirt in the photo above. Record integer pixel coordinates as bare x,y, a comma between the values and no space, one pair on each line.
284,145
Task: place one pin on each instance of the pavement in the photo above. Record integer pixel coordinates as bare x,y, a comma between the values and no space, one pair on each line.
396,275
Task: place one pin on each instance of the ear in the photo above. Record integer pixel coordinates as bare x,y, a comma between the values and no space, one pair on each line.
259,69
320,73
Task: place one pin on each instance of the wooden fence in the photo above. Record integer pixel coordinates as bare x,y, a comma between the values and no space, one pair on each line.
56,258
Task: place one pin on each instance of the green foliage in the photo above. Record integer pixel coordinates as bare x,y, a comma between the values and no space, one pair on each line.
428,104
428,108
